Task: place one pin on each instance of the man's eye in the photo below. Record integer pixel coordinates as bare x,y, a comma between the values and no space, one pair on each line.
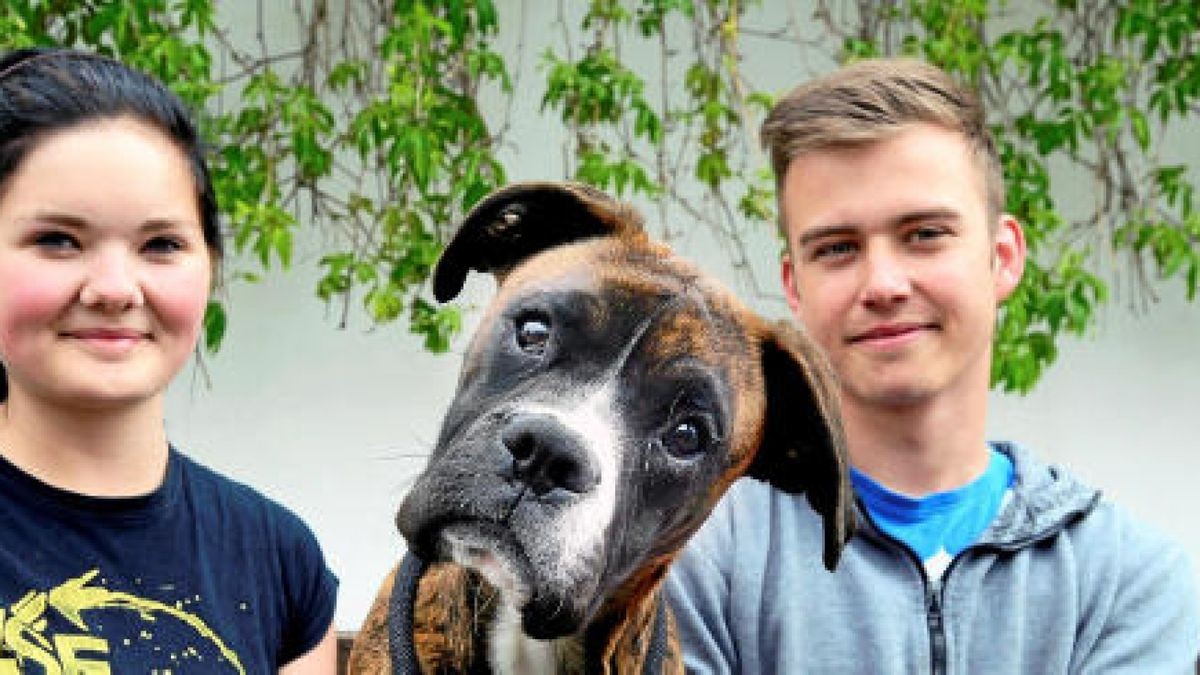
837,249
56,242
925,234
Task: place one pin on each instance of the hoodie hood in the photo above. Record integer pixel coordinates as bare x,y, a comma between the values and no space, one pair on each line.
1043,500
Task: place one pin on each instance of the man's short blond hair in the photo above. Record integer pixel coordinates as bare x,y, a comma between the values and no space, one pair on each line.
869,101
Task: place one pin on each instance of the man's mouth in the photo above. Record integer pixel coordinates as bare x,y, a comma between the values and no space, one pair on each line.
891,333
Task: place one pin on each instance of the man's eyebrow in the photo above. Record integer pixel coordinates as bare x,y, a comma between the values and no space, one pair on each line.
825,231
905,218
919,215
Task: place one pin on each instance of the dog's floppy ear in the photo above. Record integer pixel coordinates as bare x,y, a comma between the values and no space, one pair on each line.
803,447
522,219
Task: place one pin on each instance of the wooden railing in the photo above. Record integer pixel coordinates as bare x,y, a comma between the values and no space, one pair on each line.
344,640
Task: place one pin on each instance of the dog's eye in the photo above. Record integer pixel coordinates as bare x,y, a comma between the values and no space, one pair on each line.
686,438
533,333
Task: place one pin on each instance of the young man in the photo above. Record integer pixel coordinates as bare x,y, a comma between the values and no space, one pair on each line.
970,557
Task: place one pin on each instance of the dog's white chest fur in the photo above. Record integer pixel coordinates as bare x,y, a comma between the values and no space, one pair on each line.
514,653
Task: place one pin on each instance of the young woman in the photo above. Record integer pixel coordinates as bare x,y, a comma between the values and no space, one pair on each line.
118,553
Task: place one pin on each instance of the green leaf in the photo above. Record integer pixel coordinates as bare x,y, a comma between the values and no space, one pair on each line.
215,322
1141,128
437,325
384,304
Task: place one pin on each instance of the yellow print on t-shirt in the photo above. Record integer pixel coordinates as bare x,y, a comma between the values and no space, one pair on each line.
24,639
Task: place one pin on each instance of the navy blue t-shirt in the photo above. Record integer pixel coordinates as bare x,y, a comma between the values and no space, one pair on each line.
204,575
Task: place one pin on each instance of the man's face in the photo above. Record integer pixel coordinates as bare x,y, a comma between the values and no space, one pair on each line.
892,265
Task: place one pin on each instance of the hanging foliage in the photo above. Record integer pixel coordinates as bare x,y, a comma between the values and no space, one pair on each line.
369,126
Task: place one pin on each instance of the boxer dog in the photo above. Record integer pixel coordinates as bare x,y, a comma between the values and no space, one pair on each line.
609,397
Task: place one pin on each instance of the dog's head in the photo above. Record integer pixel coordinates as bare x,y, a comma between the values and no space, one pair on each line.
610,396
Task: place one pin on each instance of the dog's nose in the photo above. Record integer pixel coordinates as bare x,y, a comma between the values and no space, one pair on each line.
548,456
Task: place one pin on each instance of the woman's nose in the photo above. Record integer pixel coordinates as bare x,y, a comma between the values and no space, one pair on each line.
111,284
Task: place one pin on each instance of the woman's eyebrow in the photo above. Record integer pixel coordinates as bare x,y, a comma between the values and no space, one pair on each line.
60,218
76,222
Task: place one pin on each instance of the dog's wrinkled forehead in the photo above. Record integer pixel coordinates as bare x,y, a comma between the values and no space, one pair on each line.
622,289
596,265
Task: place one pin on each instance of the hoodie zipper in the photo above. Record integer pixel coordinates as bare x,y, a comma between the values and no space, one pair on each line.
934,617
937,628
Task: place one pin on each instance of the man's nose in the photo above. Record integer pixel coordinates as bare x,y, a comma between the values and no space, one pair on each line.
111,283
886,281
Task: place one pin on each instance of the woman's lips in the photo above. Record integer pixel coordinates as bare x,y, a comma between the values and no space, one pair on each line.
108,341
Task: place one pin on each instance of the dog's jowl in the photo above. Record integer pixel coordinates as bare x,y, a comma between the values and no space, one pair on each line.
611,394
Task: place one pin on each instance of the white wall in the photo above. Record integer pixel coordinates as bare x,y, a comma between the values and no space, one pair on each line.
335,423
1120,410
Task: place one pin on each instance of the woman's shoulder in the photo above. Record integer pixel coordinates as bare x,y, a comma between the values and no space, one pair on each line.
236,503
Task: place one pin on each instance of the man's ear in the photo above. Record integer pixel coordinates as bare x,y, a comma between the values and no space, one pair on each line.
524,219
1008,247
803,447
787,275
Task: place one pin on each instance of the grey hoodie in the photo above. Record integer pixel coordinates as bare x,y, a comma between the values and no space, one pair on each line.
1061,582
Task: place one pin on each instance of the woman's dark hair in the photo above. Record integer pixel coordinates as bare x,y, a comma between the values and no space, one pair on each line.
46,90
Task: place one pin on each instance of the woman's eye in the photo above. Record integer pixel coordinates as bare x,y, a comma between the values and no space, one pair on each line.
686,438
56,242
163,245
533,334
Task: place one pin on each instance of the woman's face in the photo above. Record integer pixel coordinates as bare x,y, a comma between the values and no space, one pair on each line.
104,271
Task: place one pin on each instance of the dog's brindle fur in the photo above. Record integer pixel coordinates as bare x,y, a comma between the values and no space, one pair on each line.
610,396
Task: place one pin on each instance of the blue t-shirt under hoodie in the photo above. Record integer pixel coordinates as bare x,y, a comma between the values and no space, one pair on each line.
938,526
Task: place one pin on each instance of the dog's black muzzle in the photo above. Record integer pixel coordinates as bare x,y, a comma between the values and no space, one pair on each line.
526,461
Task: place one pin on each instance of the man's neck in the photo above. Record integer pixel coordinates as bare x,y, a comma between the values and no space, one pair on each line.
119,452
919,449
